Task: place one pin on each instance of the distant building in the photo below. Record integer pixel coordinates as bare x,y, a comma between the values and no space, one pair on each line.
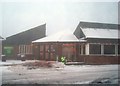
21,43
91,43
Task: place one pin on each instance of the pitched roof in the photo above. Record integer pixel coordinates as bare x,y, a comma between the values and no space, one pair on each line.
97,30
1,37
101,33
63,36
98,25
26,36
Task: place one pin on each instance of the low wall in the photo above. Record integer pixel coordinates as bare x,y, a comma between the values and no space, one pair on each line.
16,57
88,59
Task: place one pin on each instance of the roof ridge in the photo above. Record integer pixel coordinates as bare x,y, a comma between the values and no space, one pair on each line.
26,30
99,25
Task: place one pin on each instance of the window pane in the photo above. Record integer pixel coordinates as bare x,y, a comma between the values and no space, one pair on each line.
19,49
41,47
118,49
22,49
27,49
109,49
80,49
52,48
95,49
47,48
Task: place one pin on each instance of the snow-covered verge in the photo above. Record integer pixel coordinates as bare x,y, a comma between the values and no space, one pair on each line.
59,73
14,62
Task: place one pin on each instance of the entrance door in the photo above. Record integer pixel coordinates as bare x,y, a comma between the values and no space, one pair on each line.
48,51
42,55
52,53
69,51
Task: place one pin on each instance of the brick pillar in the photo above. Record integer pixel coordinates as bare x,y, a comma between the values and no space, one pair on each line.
87,49
116,49
102,49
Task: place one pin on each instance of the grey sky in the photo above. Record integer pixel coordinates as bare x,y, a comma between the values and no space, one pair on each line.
20,16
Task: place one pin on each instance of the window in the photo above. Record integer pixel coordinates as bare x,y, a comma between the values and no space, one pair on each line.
109,49
118,49
25,49
41,47
53,48
95,49
82,49
47,48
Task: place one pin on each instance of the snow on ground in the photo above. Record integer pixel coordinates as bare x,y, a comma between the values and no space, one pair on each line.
12,62
90,67
75,74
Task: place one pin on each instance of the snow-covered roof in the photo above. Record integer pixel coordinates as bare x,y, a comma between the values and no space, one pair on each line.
101,33
63,36
1,37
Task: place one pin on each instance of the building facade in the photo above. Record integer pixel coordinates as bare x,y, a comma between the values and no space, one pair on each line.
101,45
91,43
21,44
55,46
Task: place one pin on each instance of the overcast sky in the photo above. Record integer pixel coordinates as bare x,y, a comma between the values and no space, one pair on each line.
16,16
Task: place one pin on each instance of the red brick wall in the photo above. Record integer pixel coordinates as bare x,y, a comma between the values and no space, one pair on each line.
15,56
99,59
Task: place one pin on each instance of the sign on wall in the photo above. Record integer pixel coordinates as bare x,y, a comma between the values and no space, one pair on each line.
8,50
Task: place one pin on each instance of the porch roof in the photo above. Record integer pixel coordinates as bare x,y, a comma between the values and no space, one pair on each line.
63,36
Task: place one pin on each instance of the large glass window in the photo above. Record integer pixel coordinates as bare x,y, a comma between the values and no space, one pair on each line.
109,49
25,49
118,49
95,49
82,49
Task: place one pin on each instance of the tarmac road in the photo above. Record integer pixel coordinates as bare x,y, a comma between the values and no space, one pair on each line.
72,74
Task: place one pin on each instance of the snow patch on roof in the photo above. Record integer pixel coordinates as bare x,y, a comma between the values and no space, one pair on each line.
101,33
63,36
